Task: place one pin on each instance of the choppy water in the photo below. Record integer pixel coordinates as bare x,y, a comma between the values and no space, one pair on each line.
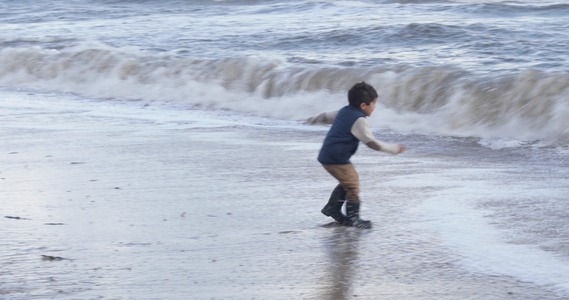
470,68
481,88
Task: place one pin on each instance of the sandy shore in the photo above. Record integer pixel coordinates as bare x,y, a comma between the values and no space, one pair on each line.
101,207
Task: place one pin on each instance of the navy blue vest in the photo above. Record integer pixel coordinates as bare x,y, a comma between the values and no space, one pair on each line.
340,144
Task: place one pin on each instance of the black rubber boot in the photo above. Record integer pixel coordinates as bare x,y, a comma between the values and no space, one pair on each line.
334,206
353,216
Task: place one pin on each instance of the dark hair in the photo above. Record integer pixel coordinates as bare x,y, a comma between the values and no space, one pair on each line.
361,93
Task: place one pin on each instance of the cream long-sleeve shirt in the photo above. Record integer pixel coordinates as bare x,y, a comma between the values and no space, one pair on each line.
361,130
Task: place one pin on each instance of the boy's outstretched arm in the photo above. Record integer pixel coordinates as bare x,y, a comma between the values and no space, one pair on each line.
323,118
362,132
389,148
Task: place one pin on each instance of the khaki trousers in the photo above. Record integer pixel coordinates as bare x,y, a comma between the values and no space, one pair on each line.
348,178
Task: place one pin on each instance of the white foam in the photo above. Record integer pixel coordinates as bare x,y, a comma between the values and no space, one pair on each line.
483,247
501,143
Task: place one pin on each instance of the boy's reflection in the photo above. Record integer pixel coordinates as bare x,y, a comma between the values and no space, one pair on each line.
342,248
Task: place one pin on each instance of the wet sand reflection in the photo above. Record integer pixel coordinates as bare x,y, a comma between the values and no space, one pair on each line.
342,249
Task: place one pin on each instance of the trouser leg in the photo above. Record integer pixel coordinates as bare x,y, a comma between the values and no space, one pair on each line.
349,181
348,178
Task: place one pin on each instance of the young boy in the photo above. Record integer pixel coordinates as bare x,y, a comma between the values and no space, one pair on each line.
350,126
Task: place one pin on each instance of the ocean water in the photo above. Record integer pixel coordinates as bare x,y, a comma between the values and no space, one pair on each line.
492,69
479,88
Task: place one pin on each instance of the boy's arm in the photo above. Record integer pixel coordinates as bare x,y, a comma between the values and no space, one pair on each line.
323,118
362,132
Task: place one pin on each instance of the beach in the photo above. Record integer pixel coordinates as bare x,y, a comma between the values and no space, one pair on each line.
202,205
159,149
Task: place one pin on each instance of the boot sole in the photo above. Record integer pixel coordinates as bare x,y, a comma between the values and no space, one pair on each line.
339,219
365,225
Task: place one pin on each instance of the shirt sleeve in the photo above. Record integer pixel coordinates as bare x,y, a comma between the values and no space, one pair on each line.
323,118
362,132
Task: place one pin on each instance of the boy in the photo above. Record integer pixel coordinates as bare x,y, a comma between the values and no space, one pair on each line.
349,128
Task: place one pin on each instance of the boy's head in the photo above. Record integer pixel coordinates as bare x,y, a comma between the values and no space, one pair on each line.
361,93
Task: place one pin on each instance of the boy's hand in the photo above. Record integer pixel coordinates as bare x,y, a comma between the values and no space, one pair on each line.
401,148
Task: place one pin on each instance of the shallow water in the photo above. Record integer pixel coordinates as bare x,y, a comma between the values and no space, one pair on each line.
162,204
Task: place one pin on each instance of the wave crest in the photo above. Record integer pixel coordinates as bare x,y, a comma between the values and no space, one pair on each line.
527,105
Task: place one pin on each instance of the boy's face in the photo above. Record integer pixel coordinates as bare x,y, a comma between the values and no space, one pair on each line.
368,109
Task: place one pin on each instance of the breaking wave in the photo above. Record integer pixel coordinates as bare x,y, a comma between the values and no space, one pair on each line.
527,105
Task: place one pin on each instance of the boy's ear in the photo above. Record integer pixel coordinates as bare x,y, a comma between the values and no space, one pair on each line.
363,105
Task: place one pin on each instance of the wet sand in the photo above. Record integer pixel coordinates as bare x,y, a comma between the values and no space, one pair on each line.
98,207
